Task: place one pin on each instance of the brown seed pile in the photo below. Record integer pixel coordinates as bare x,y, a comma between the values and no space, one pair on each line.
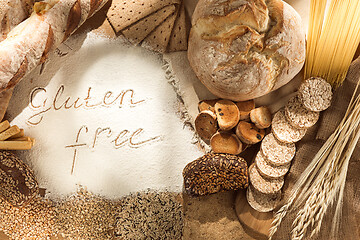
17,182
150,215
85,216
35,220
214,173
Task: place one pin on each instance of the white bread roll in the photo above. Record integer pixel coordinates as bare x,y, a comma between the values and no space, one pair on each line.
244,49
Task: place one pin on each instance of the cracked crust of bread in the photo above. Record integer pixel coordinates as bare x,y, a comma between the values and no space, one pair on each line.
241,50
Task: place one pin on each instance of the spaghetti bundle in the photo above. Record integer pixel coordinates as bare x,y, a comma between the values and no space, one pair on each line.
333,37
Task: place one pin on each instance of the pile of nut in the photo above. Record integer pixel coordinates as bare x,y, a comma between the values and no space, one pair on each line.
230,127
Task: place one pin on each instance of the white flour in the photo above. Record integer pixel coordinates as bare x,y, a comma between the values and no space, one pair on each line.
109,115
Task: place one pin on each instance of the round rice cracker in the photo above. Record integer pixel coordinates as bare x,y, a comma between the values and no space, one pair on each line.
315,93
275,152
264,185
262,202
298,115
267,170
283,131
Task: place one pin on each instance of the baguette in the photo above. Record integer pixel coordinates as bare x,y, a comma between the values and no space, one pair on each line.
11,14
5,97
29,43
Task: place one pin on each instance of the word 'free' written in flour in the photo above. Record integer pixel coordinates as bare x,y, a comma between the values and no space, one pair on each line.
42,103
125,137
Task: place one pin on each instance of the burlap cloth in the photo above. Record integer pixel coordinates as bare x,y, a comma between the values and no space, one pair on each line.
309,146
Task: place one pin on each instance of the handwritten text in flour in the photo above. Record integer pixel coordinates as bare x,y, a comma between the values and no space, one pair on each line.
44,103
41,102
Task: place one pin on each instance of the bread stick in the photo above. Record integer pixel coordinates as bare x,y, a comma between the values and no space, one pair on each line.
20,139
9,133
16,145
4,125
18,135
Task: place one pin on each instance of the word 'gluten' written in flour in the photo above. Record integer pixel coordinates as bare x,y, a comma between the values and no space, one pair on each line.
41,103
117,140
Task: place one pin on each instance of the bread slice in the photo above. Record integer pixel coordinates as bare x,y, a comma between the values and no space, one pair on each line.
245,108
207,105
316,94
215,173
248,133
206,124
261,117
227,113
226,142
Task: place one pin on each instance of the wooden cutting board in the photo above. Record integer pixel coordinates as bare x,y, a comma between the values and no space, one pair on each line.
257,222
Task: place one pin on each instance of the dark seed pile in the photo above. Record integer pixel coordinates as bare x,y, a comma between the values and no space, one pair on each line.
214,173
150,215
85,216
17,182
35,220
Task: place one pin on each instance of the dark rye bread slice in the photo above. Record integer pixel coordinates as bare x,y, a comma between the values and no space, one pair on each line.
138,31
123,13
17,182
214,173
158,40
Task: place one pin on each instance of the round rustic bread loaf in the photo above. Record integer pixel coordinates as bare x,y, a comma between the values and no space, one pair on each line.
244,49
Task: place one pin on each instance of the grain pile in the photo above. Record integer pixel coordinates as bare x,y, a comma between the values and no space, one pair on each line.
36,220
85,216
150,215
18,184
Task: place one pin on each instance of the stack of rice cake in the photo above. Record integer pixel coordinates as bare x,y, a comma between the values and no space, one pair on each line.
289,125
